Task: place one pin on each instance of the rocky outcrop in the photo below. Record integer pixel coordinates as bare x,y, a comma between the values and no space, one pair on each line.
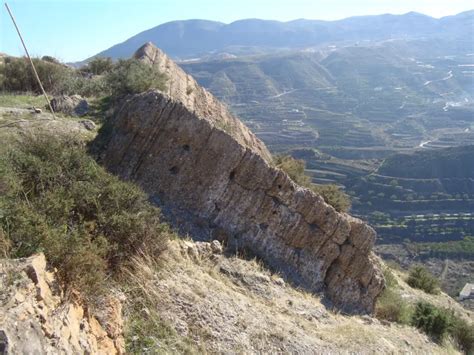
183,88
35,318
222,182
73,105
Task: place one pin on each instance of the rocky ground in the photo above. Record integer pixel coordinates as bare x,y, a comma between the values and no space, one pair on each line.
26,119
453,274
209,300
37,318
225,304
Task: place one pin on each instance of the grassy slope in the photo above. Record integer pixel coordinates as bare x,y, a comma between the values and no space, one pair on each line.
226,304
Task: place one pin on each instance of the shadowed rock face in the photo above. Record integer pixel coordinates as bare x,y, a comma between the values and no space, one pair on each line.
222,178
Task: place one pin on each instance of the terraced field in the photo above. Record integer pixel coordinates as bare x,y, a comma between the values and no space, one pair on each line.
346,110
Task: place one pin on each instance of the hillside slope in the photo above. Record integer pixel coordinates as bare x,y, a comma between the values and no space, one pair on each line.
454,163
220,303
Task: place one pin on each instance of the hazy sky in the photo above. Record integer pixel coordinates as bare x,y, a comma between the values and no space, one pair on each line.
72,30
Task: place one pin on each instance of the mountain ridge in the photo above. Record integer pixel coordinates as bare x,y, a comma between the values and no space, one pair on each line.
187,38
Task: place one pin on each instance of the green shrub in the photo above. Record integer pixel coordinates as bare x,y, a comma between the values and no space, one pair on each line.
132,76
95,86
16,75
98,66
390,305
295,168
332,194
19,77
422,279
56,199
433,321
463,335
48,58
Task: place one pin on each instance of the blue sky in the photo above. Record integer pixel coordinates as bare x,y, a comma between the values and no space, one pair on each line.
72,30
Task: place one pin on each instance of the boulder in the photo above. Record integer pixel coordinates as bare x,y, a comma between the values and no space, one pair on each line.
88,124
73,105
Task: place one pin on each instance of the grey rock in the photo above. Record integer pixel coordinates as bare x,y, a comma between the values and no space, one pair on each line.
88,124
73,105
184,154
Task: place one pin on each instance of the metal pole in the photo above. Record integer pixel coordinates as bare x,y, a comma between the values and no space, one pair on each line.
31,61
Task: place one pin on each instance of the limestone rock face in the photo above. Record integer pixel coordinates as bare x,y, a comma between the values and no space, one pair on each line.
183,88
225,186
36,319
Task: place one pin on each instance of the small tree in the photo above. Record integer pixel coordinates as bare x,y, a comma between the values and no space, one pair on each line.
332,194
132,77
433,321
422,279
294,168
99,65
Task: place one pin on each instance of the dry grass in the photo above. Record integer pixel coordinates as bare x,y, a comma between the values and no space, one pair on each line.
146,330
442,300
218,304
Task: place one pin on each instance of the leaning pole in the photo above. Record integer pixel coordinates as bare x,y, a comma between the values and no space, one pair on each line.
31,61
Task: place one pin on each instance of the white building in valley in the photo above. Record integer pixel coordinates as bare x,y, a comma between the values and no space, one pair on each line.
467,292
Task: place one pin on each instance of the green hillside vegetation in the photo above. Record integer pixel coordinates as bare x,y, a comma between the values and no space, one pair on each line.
55,199
101,77
382,97
456,162
438,322
331,194
425,196
453,249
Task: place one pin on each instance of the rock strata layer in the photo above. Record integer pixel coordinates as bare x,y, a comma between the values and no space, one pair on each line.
184,157
35,317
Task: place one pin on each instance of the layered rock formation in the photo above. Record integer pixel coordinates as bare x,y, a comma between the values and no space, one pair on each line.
192,156
36,318
183,88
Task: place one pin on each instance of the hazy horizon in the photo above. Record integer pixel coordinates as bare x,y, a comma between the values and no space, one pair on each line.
80,29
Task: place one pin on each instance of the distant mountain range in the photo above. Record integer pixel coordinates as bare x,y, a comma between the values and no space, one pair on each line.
196,38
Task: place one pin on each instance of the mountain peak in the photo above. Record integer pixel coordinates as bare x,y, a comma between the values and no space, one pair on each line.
182,87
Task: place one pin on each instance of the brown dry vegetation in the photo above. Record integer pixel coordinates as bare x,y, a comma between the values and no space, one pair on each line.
196,301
